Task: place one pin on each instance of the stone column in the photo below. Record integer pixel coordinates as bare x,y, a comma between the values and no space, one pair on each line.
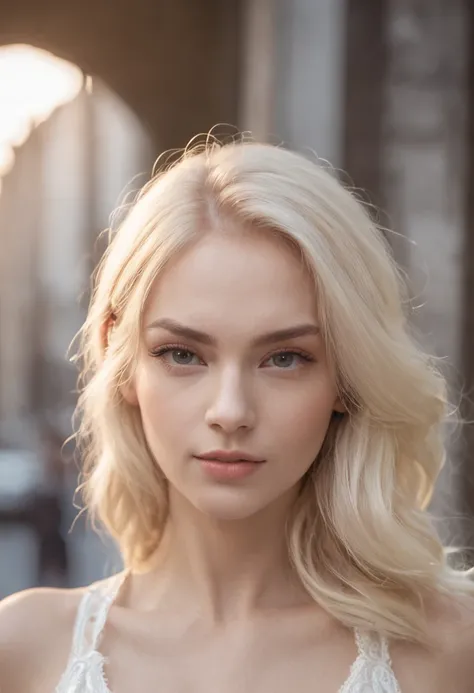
20,227
366,68
293,74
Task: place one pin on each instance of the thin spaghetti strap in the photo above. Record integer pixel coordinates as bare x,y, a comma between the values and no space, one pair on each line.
372,645
80,644
108,596
85,669
92,615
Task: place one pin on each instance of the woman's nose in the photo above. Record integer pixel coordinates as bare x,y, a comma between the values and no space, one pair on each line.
231,407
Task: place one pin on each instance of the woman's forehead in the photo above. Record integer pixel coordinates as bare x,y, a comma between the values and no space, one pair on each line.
247,279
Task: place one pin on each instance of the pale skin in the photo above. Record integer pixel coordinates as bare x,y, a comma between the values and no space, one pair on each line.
220,608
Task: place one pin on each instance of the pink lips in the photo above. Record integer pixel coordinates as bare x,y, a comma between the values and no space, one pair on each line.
226,465
229,456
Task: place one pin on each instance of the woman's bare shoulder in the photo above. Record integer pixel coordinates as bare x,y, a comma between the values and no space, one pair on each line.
453,625
453,617
36,628
22,611
449,664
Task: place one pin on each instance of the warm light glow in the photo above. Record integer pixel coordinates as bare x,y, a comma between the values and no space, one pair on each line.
33,83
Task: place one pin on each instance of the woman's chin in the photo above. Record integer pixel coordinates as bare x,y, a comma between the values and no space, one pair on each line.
229,506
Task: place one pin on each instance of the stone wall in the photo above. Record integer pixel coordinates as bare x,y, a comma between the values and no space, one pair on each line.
423,156
406,147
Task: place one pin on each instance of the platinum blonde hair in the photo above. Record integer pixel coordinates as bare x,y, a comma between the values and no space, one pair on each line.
360,537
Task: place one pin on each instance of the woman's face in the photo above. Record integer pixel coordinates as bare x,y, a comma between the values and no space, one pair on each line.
232,386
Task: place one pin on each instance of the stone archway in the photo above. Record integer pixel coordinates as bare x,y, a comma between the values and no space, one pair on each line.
174,63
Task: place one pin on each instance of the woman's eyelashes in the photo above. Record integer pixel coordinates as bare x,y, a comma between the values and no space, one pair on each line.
183,353
179,356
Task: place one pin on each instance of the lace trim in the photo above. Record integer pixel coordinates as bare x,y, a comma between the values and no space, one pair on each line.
372,670
85,675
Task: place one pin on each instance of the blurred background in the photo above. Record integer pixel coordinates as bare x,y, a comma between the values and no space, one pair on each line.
92,92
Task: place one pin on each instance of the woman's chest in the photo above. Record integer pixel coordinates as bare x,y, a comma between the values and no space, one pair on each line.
234,660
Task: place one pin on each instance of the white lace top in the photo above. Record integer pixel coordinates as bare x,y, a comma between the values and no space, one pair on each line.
371,672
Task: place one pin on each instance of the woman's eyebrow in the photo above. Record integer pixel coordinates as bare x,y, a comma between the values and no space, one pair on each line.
184,331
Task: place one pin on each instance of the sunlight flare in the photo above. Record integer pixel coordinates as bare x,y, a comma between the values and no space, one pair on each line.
33,83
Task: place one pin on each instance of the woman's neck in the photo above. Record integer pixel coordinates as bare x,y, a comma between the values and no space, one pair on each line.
230,568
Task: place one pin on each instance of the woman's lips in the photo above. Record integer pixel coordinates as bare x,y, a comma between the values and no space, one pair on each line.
221,470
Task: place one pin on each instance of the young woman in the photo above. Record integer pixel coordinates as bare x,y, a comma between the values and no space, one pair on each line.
261,435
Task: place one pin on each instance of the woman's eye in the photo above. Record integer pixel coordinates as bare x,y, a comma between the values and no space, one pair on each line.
182,356
178,356
284,360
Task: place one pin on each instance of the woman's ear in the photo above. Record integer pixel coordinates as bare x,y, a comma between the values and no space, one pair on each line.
129,392
106,329
339,406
